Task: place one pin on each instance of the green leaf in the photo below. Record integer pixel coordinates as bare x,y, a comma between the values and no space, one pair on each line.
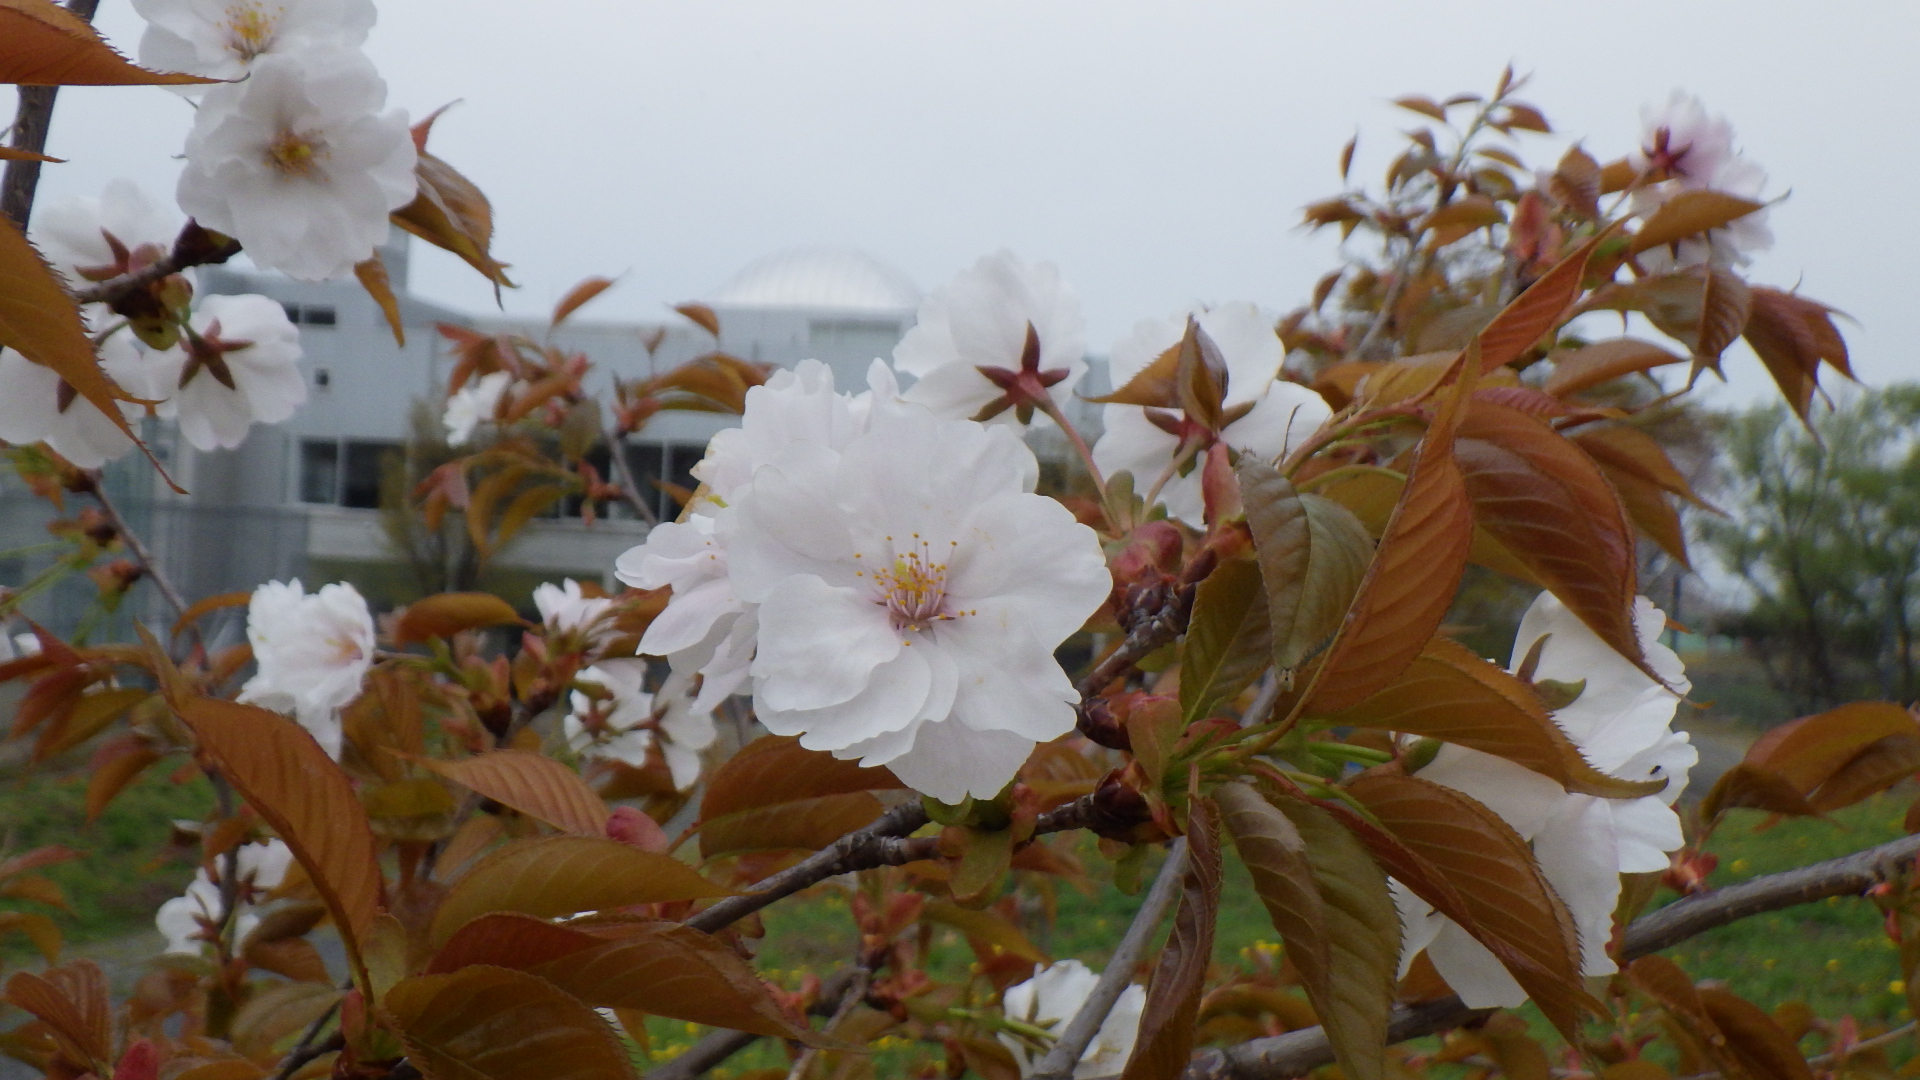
1449,693
1313,553
446,614
1690,213
1493,870
1329,902
776,794
534,784
671,970
1227,644
1173,994
491,1023
563,875
291,782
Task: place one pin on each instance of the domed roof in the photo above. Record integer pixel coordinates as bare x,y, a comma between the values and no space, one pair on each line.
842,279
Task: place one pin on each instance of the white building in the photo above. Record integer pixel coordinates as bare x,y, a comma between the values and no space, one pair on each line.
300,498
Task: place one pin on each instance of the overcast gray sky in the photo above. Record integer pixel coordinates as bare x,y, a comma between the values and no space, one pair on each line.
1158,152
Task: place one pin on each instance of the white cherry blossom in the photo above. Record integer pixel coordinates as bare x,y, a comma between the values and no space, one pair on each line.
223,39
311,652
566,609
706,629
1682,141
36,408
298,163
1052,997
261,867
1622,723
251,341
623,732
72,233
980,319
910,592
1271,416
472,404
792,408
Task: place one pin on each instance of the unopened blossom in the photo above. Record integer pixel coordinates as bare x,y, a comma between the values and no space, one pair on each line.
1622,722
239,367
312,652
1053,996
1693,150
38,406
910,591
629,722
1268,416
567,609
473,403
74,233
1001,333
299,163
261,867
223,39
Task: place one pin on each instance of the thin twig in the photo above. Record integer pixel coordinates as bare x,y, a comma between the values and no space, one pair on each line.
623,479
307,1049
139,548
1146,635
720,1045
855,991
1299,1052
112,289
1061,1059
1828,1060
879,844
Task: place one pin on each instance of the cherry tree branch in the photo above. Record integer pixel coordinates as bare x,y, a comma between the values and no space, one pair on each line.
1064,1055
137,547
878,844
718,1046
1299,1052
623,479
31,120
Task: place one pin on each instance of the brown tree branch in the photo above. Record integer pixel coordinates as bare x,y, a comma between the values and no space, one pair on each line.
886,842
718,1046
1064,1056
1298,1052
31,120
879,844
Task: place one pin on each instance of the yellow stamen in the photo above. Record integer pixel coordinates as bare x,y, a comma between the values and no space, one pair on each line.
294,154
251,28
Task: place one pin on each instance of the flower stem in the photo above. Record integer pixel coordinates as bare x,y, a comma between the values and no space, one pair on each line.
1052,409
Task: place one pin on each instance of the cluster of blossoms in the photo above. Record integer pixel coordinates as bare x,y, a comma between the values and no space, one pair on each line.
1622,722
876,568
311,652
187,921
296,155
235,366
613,717
1684,148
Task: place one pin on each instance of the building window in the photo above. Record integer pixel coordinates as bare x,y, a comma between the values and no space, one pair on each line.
310,314
360,477
671,463
320,471
344,472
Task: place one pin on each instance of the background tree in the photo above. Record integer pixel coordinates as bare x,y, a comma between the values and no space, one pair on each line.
1824,531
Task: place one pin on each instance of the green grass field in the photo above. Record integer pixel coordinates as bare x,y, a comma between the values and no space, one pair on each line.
1832,955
